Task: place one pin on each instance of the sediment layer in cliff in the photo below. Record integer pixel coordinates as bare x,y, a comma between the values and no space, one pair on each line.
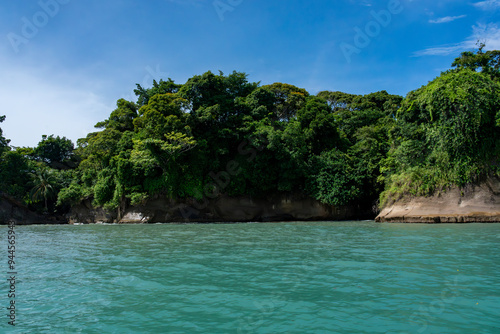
472,204
222,209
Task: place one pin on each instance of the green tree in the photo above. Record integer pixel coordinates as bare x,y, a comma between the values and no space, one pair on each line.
44,186
319,126
162,87
99,147
121,118
54,149
487,62
445,135
288,99
4,143
333,178
71,195
337,100
208,90
14,174
164,151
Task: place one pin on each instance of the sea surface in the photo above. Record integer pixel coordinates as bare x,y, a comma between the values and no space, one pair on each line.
314,277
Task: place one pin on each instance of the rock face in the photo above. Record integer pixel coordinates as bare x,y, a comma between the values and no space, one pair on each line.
479,204
222,209
85,213
12,210
473,204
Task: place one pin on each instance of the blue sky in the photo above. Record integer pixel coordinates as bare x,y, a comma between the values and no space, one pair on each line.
64,63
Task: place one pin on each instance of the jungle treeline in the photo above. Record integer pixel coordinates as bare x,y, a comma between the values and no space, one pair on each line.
220,134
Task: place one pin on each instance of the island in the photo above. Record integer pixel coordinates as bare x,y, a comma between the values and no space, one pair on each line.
219,148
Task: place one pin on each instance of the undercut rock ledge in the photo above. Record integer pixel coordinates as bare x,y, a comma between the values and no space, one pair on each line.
472,204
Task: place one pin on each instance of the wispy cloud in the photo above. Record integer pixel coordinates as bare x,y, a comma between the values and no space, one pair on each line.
489,34
447,19
488,4
37,102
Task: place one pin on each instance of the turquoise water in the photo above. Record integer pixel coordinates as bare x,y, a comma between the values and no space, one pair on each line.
335,277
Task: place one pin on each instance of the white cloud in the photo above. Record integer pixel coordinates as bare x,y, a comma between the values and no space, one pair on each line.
488,4
489,34
38,103
447,19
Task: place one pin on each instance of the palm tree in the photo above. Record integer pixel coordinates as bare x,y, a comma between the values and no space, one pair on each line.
44,186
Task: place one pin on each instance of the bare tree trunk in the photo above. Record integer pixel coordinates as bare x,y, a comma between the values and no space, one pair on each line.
121,209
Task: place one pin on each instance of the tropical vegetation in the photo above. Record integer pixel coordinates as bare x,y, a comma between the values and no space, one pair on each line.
220,134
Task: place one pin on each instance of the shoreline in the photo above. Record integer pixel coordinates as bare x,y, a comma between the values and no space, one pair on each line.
422,220
473,204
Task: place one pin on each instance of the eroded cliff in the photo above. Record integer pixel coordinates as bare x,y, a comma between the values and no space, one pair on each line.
222,209
480,203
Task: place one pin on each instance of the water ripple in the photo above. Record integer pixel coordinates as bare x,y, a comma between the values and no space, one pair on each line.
343,277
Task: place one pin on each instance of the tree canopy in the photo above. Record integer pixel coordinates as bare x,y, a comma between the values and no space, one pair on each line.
446,133
54,149
4,143
487,62
221,134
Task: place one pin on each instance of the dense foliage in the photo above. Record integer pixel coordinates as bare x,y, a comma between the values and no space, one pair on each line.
448,132
36,175
221,134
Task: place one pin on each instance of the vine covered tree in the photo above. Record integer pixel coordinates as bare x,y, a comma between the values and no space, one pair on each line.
338,148
447,133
